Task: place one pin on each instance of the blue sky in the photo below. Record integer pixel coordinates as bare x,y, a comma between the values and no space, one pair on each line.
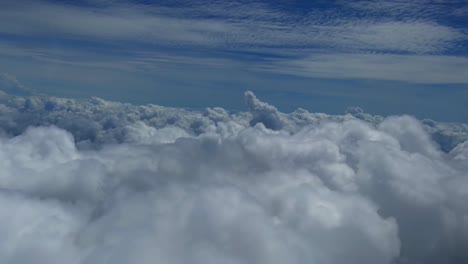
388,57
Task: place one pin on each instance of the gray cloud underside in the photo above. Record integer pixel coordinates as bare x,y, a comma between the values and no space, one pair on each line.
104,182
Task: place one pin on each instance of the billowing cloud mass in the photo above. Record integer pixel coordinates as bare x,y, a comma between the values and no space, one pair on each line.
104,182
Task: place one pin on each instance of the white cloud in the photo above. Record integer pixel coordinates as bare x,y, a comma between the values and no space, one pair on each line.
426,69
148,183
96,121
9,84
414,36
461,151
245,26
263,112
40,231
154,39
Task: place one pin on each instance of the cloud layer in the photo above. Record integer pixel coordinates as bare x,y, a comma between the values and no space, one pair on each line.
353,26
369,36
103,182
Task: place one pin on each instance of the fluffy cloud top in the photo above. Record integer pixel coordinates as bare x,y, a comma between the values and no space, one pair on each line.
102,182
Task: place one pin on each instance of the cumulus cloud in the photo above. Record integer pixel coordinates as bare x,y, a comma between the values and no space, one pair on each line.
460,152
104,182
10,85
263,112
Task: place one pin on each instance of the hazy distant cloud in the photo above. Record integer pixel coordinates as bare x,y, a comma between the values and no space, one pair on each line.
97,181
405,68
9,84
96,121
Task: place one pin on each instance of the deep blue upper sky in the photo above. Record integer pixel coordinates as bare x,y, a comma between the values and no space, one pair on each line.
388,57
